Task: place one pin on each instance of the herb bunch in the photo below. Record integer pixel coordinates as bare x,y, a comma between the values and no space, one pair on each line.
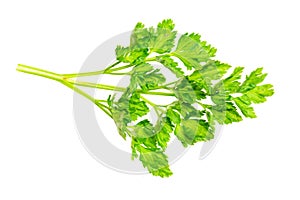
204,92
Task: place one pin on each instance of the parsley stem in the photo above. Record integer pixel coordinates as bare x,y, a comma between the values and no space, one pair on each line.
96,85
39,72
171,83
108,70
60,78
205,106
150,59
156,93
113,65
119,73
156,108
154,58
101,100
119,68
72,84
89,97
83,74
115,88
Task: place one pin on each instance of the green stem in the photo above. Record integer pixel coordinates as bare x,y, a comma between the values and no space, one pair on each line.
104,109
155,57
120,68
96,85
171,83
115,88
150,59
156,93
39,72
101,100
89,97
83,74
108,70
113,65
65,79
101,104
119,73
205,106
61,79
156,108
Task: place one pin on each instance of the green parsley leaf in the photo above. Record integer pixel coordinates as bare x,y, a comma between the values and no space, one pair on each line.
259,93
140,37
186,131
202,132
143,133
169,63
162,39
173,115
212,70
185,92
226,114
211,50
245,107
188,111
164,129
191,51
137,107
156,162
149,79
252,80
143,129
127,55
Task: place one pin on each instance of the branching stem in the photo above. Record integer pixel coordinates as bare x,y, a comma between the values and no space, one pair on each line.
68,80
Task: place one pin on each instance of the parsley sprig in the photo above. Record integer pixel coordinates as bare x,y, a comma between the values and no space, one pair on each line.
203,93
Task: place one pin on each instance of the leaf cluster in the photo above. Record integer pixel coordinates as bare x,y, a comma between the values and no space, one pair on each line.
205,92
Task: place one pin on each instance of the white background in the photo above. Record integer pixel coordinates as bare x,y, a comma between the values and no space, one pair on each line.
40,153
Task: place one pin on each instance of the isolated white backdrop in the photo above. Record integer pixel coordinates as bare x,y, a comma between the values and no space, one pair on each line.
40,153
